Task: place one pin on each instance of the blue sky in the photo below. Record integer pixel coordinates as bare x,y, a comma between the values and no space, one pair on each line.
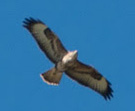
103,32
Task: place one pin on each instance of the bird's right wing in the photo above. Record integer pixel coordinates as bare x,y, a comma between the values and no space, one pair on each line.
46,39
89,77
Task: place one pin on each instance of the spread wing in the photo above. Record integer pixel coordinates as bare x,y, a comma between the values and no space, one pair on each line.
89,77
46,39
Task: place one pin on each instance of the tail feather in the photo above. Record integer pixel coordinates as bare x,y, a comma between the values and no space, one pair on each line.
52,76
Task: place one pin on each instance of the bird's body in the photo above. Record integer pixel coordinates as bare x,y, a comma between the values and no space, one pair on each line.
65,61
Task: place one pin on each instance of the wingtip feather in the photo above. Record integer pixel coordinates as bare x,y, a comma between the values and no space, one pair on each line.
29,22
108,93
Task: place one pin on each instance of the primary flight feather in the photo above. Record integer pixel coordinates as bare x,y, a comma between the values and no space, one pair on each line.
65,61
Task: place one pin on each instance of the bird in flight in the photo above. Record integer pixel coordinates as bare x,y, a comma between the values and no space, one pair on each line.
65,61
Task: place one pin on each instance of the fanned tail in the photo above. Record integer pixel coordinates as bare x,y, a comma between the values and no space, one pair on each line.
52,77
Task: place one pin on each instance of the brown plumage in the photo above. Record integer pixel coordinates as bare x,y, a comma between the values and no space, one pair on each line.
65,61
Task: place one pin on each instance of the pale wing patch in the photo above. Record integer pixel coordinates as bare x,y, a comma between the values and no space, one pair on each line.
99,85
95,84
38,31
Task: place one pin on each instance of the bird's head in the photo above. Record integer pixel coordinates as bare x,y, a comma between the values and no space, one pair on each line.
70,56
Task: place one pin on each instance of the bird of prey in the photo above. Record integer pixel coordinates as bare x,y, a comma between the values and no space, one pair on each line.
65,61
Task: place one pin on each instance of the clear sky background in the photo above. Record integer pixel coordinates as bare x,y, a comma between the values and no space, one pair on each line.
103,32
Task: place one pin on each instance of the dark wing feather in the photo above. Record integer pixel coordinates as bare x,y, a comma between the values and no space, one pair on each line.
46,39
89,77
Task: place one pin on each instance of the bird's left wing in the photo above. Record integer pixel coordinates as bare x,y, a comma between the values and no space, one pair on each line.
89,77
46,39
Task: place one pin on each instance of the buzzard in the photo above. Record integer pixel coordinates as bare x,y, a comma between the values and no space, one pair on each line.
65,61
